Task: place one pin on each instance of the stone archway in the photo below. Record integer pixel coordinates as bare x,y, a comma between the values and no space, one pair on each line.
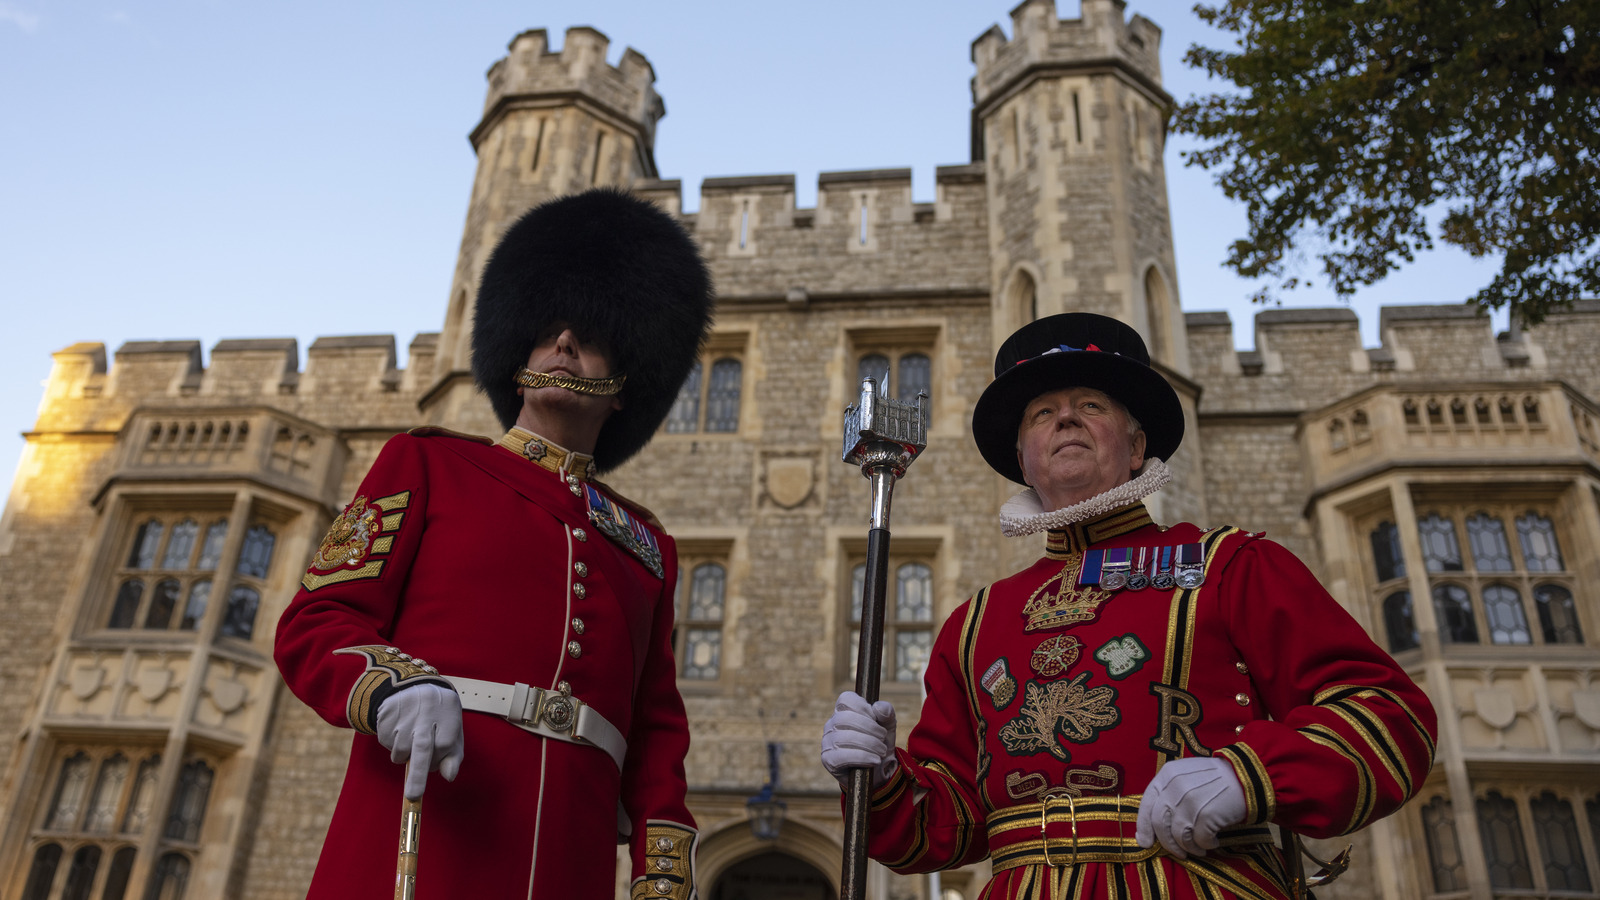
773,875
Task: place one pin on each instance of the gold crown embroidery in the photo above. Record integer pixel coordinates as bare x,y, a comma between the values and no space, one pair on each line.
350,537
1071,604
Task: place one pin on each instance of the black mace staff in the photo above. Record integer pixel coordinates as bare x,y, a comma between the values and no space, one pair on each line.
882,436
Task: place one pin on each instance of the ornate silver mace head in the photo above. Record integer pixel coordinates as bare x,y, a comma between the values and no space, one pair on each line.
881,433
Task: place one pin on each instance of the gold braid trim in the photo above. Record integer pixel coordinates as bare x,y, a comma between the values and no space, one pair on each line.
668,863
600,387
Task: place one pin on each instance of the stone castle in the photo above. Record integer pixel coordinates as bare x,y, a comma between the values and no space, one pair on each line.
164,510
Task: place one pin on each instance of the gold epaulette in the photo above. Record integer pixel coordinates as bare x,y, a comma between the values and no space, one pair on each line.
436,431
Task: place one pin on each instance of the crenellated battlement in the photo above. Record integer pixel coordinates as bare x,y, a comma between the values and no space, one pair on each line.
1099,39
530,71
876,238
83,393
1305,358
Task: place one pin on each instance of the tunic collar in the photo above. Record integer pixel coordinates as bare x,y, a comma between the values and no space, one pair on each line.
1062,542
547,454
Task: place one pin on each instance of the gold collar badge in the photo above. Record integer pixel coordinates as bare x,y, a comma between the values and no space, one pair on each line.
1070,604
546,454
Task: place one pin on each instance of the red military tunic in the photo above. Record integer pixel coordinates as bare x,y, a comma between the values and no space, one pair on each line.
1053,704
477,562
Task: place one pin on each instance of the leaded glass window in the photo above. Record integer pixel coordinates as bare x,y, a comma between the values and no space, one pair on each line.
876,367
107,795
1444,849
240,620
1491,552
117,877
211,548
1503,847
1386,555
72,783
685,414
127,605
1556,829
171,878
914,593
705,605
256,555
145,541
908,620
1540,550
177,596
1508,621
1558,615
189,806
722,399
916,377
162,603
80,875
1440,550
1400,622
180,545
141,804
195,609
42,874
1453,607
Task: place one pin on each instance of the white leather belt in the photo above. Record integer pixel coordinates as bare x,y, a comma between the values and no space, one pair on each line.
553,714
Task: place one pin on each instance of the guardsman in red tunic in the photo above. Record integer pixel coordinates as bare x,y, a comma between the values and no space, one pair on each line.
485,609
1126,716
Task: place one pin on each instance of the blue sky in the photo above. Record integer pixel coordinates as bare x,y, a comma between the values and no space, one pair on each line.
208,170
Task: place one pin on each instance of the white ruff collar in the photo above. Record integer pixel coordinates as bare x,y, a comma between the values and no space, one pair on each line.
1024,513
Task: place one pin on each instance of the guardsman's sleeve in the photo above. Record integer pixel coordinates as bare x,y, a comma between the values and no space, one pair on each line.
1351,736
664,838
332,642
927,816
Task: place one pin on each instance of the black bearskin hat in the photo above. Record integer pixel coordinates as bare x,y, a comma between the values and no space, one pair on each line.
620,272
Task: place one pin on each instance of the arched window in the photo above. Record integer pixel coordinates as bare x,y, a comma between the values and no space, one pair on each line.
211,548
145,541
1400,622
142,804
107,795
1508,621
72,784
80,875
240,621
1444,849
170,879
1558,615
1540,550
256,555
1491,552
1386,554
1453,607
915,377
117,877
189,806
1556,830
1503,849
180,545
685,414
1440,550
42,875
913,609
701,654
162,602
127,605
195,609
722,399
876,367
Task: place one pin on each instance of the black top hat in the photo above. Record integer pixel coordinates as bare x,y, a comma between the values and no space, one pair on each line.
619,271
1073,350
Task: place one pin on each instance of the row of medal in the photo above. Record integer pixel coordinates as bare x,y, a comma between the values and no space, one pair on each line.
1137,568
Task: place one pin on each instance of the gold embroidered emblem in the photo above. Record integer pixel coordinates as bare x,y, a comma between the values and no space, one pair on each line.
350,537
1070,604
1055,655
999,684
1062,708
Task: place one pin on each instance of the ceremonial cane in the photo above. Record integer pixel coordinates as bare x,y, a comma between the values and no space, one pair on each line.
405,873
882,436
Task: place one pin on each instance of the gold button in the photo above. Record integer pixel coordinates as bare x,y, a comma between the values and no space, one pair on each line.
663,844
580,534
1243,669
582,569
1238,729
663,864
1242,699
563,687
574,649
577,625
580,591
663,886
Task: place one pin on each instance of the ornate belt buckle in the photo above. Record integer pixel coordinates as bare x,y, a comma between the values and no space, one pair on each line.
1044,816
560,712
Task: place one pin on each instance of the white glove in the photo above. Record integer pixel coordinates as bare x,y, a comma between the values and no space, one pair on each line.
1187,803
859,735
422,723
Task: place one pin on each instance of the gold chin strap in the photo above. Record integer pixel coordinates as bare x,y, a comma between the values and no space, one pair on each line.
601,387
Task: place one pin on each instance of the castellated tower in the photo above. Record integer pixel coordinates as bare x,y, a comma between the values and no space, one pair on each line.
554,123
1070,117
